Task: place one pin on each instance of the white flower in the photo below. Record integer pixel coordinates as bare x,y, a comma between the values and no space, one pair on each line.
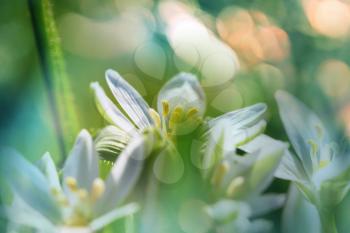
238,180
180,102
82,202
319,169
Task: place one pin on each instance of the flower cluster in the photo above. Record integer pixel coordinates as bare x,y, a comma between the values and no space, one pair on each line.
160,160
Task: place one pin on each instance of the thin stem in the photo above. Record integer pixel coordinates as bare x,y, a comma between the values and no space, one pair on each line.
54,72
327,219
43,59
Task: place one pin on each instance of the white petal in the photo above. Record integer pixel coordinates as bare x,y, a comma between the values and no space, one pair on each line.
22,214
129,99
291,168
28,183
124,174
269,154
243,118
110,142
110,111
48,167
183,90
82,162
120,212
299,215
302,125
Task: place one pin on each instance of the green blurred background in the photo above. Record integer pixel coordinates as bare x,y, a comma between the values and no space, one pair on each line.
242,51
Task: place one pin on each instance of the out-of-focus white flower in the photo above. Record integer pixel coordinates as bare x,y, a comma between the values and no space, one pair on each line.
82,202
320,170
238,180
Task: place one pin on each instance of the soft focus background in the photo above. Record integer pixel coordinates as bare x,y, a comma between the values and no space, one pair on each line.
242,51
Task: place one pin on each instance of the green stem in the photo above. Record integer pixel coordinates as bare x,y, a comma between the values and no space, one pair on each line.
54,72
327,219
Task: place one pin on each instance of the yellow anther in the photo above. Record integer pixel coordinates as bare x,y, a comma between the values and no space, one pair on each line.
176,116
63,201
219,173
82,194
155,116
55,192
98,188
323,163
313,146
166,109
71,183
192,112
235,184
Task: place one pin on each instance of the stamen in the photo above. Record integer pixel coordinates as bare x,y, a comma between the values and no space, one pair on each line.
192,112
55,192
219,174
165,104
155,116
313,146
98,188
63,201
82,194
176,116
234,185
71,183
323,163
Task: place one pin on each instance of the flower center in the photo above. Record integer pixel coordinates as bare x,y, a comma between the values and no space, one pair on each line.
77,203
176,119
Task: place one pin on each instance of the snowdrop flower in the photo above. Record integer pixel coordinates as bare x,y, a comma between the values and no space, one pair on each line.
319,170
82,202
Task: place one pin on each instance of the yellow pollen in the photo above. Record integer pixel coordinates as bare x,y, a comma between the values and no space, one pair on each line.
165,104
313,146
55,192
71,183
323,163
98,188
192,112
63,201
234,185
155,116
82,194
219,173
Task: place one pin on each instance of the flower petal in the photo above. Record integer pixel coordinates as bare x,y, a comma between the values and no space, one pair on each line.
109,111
22,214
243,118
291,169
304,129
129,99
120,212
269,154
28,183
182,90
299,213
48,167
82,162
123,176
110,142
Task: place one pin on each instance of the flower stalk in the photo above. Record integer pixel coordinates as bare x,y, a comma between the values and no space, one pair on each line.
53,68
